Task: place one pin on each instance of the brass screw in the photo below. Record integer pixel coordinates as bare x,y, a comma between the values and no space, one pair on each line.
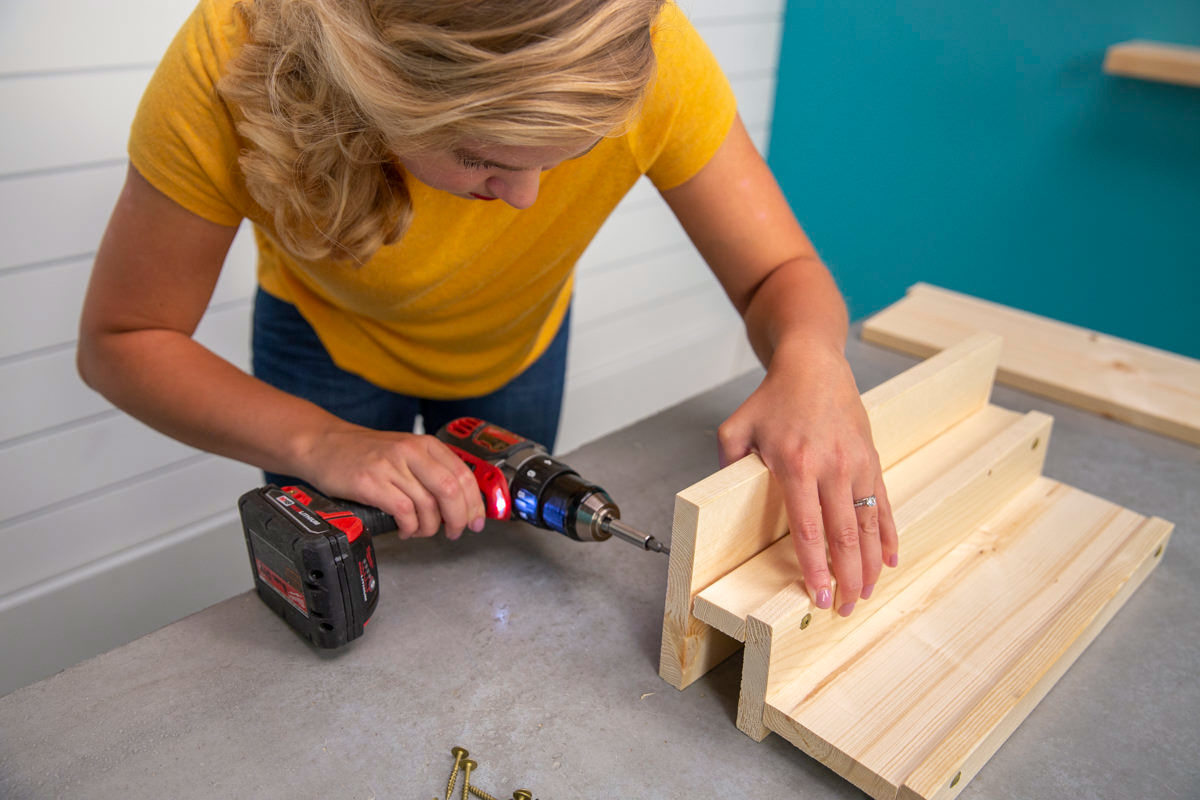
459,754
803,624
468,765
480,793
522,794
955,781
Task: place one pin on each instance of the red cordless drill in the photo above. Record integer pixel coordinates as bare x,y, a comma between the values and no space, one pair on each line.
312,557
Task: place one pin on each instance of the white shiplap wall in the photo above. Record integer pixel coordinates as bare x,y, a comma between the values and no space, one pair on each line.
109,530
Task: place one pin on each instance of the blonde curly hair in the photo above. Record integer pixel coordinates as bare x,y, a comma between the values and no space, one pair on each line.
328,91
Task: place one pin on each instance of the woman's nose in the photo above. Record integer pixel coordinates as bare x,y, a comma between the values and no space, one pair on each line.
518,189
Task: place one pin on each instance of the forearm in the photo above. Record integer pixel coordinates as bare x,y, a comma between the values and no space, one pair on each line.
797,305
182,389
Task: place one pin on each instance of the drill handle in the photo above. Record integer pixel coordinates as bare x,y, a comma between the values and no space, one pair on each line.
375,520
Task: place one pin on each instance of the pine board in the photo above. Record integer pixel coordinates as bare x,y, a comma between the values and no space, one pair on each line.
1133,383
1005,578
728,601
732,515
928,688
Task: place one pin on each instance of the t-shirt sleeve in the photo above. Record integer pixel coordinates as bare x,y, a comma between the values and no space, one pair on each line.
689,107
183,140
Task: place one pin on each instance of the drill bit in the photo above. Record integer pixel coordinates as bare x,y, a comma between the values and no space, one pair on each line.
622,531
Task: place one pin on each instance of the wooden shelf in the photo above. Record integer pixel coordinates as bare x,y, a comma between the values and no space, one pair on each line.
1006,577
1154,61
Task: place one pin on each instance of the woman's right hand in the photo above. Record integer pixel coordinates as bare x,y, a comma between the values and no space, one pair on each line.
415,478
152,280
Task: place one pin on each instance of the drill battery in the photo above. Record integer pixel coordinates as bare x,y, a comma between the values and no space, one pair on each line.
313,562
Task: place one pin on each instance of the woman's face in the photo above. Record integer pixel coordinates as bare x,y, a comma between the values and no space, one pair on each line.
490,172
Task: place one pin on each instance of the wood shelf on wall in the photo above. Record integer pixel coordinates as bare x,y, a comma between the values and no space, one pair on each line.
1154,61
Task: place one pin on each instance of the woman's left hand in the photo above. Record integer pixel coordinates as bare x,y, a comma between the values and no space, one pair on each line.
808,425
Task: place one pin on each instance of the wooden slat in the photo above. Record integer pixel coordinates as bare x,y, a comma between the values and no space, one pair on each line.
1154,61
1140,385
727,518
718,524
953,656
964,493
919,404
1012,699
729,601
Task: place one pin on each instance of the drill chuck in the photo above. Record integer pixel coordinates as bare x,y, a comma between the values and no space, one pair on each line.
572,506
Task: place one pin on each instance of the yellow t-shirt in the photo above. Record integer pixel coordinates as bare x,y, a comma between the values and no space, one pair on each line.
474,291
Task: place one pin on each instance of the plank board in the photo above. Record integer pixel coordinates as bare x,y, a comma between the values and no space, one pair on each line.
1006,576
1154,61
930,686
732,515
1139,385
930,525
729,601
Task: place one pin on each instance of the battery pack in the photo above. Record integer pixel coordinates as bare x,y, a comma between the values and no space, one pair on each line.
313,563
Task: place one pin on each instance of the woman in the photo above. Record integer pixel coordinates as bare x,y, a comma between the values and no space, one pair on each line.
368,141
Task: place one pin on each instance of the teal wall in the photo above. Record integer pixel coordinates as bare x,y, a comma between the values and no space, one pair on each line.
980,147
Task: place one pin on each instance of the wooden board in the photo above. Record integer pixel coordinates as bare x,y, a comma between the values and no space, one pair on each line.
734,514
1005,578
930,525
914,701
728,601
1154,61
1139,385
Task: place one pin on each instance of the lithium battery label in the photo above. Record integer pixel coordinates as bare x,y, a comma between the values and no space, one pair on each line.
276,571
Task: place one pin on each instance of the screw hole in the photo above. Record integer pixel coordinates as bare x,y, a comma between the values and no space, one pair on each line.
954,781
1158,552
1036,442
316,574
325,626
804,622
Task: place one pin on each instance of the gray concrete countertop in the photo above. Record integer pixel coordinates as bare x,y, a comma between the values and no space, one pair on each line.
540,655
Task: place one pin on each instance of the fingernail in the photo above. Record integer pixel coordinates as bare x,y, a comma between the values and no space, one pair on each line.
866,592
477,524
824,599
893,560
846,609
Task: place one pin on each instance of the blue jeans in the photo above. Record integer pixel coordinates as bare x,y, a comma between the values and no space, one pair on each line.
288,355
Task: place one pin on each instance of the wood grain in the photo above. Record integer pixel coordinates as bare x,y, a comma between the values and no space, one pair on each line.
727,518
1006,576
728,601
931,524
929,687
1139,385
